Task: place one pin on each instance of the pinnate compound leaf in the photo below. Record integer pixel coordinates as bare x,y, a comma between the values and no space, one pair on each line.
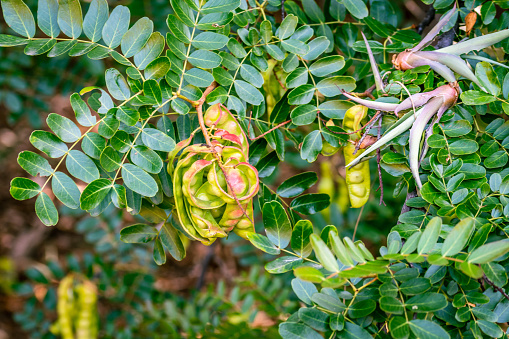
357,8
248,92
117,85
426,302
340,249
308,273
314,318
287,27
172,242
354,331
38,47
151,51
146,159
327,65
311,146
210,41
158,254
304,290
219,6
282,264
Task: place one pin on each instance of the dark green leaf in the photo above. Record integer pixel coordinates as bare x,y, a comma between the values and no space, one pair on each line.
95,193
48,143
138,233
310,203
311,146
34,164
297,184
314,318
290,330
277,225
158,68
23,188
263,243
426,302
426,329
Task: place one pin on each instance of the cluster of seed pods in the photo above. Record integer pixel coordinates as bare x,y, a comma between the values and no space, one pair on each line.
76,308
214,184
446,62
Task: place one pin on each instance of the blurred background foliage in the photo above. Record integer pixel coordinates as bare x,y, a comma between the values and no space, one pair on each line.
218,292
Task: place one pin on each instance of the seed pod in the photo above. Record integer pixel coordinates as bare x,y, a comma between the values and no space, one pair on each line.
86,320
470,20
357,177
327,149
65,307
214,185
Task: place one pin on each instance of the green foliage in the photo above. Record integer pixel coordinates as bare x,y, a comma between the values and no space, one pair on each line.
130,306
443,271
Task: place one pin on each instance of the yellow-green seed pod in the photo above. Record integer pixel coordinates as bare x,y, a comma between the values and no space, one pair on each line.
357,177
65,307
86,320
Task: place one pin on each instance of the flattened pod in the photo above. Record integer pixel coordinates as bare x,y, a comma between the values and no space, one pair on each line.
65,307
357,177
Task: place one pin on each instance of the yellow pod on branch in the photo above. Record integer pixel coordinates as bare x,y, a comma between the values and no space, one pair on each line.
357,177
